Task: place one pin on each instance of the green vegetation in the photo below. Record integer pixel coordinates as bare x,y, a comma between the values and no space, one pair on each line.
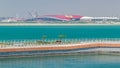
42,41
44,36
61,36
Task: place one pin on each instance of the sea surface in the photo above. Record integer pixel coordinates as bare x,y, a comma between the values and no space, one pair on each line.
52,32
73,61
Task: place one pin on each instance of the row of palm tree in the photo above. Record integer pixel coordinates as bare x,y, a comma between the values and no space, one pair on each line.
61,36
44,37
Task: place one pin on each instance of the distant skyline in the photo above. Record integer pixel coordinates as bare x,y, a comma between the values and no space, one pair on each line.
9,8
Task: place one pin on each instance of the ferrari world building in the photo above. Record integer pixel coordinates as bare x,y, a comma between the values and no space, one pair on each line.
71,18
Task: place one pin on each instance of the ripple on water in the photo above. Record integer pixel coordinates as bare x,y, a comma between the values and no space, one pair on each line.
74,61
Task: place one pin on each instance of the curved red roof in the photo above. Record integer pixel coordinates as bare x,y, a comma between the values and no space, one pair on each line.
65,17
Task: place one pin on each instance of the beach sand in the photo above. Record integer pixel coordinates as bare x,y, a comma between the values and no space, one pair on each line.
52,24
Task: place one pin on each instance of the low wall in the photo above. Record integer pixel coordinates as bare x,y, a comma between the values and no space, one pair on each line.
97,48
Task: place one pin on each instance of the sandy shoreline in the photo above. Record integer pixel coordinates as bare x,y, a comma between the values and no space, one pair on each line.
42,24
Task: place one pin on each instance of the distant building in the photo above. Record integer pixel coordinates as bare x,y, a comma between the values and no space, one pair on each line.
57,18
4,18
63,18
72,18
12,20
96,19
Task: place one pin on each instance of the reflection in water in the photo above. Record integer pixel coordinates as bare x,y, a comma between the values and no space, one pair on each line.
74,61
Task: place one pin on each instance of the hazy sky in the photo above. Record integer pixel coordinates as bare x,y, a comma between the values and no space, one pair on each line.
81,7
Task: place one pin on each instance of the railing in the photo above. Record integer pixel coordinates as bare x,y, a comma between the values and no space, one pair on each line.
50,42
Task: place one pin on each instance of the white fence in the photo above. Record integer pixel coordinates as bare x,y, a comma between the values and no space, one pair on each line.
50,42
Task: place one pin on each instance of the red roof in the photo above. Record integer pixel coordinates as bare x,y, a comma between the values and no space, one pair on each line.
66,17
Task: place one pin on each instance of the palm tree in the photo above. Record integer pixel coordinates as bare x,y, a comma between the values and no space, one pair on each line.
44,37
61,36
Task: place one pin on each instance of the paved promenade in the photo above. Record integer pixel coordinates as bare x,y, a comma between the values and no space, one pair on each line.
64,47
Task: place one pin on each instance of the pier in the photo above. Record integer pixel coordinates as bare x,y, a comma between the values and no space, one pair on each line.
56,42
63,46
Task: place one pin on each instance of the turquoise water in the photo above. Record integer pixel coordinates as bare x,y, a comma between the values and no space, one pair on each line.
88,61
36,32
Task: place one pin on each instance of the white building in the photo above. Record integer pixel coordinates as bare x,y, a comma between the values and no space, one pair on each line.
95,19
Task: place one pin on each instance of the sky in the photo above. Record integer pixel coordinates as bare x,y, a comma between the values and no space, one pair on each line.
68,7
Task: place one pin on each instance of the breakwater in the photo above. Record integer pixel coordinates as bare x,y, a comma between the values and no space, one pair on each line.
52,48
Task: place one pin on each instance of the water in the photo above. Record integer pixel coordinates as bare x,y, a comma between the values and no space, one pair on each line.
80,32
52,32
75,61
